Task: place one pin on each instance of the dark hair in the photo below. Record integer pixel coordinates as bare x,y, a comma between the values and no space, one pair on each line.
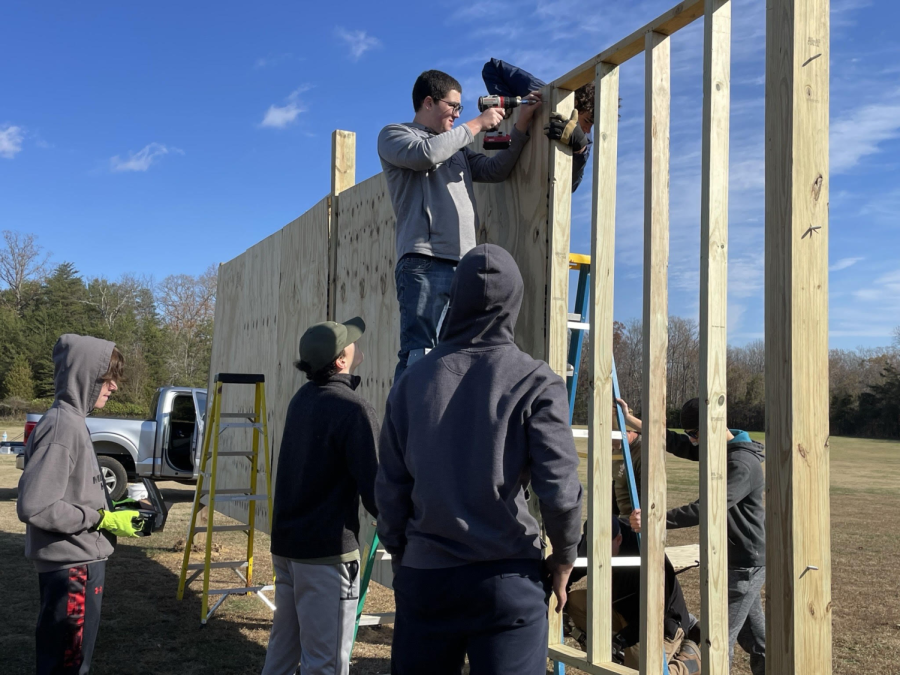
116,367
323,374
435,84
584,99
690,414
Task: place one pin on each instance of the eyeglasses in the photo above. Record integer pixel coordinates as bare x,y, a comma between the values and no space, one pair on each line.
456,107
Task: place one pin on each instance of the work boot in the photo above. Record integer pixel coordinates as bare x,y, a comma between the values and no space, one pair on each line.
689,655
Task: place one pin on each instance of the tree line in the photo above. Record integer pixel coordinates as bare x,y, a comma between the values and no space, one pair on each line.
864,384
164,329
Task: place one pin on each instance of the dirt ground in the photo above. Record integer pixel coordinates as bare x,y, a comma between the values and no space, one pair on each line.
145,630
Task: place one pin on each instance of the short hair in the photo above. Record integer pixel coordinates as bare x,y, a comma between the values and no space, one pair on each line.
584,99
116,366
435,84
323,374
690,414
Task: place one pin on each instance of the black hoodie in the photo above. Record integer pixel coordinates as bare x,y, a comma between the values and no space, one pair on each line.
465,430
746,485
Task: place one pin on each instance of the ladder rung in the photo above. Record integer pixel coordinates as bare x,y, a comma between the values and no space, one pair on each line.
227,528
229,491
246,416
574,317
236,498
228,591
578,325
240,425
235,564
236,453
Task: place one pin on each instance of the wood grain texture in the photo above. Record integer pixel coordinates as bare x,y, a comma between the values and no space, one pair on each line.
562,102
578,659
714,335
798,598
343,161
681,15
656,262
515,214
603,224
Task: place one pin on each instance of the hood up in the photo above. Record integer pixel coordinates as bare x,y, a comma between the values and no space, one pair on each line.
78,363
485,299
755,448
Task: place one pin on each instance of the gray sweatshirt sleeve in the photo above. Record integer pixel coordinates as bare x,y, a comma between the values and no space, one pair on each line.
554,470
496,169
401,146
41,490
393,490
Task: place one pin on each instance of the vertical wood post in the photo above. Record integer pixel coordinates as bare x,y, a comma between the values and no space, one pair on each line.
603,217
656,338
343,176
798,547
714,335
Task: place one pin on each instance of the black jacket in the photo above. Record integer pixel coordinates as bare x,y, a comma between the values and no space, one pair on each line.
465,430
746,485
327,462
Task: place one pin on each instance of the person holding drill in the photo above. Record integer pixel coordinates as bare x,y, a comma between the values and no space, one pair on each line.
70,525
430,170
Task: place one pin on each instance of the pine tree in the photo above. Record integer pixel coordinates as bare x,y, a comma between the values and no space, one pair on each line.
18,383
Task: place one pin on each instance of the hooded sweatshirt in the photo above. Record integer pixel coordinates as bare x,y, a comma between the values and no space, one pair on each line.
61,489
746,485
467,427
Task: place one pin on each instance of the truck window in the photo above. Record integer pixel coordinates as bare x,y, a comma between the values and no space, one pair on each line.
154,406
201,404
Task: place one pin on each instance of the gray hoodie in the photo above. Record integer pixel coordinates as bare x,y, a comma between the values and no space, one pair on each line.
429,177
468,427
61,488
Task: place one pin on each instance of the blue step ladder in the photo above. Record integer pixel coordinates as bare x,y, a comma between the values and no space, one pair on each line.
578,325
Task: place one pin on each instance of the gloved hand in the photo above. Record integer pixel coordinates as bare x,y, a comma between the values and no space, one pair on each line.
566,131
120,523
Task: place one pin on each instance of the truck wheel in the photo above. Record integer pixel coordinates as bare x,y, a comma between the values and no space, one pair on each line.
114,476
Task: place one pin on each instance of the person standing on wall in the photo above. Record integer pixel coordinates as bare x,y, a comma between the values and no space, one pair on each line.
429,170
327,462
746,527
464,432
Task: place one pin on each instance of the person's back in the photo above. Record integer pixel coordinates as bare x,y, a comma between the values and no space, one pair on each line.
465,430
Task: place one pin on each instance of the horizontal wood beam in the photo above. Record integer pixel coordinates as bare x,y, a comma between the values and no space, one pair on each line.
681,15
578,659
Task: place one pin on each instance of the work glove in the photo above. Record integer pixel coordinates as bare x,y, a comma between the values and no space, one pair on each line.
566,131
121,523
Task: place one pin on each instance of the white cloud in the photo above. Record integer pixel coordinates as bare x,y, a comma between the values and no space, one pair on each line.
861,132
143,159
843,264
280,116
10,141
358,41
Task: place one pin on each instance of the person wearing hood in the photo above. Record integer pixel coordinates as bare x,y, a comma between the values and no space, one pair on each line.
70,526
746,527
327,461
465,430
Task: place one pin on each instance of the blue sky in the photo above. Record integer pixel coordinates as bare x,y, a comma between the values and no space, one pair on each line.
160,138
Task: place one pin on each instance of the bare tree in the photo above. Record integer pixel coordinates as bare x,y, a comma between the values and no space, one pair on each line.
629,353
22,264
187,305
111,299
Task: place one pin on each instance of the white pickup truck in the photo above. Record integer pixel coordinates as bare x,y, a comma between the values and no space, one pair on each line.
164,447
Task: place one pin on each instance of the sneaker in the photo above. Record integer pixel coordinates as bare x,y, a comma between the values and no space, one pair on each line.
689,655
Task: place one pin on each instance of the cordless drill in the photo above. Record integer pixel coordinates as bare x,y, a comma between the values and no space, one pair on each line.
493,139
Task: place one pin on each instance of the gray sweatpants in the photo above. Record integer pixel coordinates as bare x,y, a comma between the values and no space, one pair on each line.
746,620
315,606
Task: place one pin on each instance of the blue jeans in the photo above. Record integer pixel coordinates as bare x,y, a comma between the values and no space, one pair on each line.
423,291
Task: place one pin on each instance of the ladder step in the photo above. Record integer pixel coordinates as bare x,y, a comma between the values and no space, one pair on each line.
236,453
235,564
238,415
228,591
229,491
240,425
574,316
227,528
233,498
578,325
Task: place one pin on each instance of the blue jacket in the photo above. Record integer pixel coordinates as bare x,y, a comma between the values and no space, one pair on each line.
503,79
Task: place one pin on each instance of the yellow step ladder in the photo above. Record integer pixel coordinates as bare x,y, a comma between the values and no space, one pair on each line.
210,496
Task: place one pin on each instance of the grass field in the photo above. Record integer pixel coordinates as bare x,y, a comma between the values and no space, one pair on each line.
145,630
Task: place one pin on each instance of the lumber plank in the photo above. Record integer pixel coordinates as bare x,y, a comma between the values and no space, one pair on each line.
656,260
578,659
343,161
681,15
563,102
798,598
603,223
714,335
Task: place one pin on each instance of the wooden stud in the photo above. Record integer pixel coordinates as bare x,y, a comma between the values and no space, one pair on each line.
577,659
798,553
562,102
343,176
653,401
714,335
603,217
681,15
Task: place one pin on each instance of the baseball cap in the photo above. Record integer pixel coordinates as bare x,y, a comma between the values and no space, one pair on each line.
322,342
